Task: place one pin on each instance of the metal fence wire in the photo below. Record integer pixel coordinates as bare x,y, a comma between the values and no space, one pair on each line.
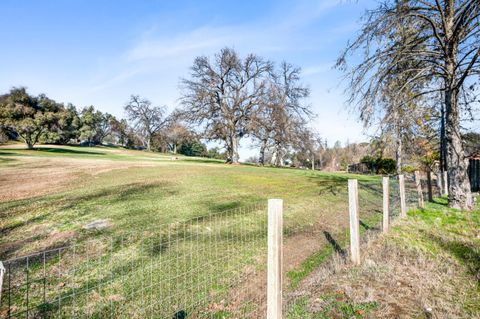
370,200
211,266
197,269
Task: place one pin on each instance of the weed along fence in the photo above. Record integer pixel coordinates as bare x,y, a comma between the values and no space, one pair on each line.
240,263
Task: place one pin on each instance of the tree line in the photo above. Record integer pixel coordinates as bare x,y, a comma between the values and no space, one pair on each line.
224,99
39,119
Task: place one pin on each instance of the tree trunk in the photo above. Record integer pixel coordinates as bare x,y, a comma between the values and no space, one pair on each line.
175,148
277,156
149,143
459,195
235,145
398,142
263,147
443,142
439,181
29,144
398,153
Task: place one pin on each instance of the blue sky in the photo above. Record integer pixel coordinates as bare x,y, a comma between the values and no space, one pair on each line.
99,52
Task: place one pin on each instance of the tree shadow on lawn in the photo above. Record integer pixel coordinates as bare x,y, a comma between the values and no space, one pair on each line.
54,150
466,254
336,183
119,193
60,150
333,184
60,204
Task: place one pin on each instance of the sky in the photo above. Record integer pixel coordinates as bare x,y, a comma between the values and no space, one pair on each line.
100,52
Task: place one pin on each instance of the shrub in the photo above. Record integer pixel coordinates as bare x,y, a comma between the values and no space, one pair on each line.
379,165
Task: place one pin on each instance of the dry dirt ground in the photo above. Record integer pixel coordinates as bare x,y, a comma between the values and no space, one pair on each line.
35,176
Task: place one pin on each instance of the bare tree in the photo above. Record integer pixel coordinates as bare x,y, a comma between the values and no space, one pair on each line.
446,46
147,120
175,134
282,115
223,95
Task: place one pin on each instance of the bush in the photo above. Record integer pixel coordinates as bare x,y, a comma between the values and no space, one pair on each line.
216,153
409,168
194,148
379,165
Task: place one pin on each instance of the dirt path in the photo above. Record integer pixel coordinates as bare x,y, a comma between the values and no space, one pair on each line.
297,248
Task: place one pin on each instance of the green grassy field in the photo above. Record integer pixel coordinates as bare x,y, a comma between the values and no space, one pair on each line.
182,231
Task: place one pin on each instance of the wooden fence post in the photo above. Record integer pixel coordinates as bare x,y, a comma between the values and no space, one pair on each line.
418,184
2,273
438,173
275,256
403,204
429,185
354,223
445,183
386,208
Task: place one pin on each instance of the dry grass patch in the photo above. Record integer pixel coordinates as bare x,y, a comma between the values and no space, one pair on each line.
427,267
35,176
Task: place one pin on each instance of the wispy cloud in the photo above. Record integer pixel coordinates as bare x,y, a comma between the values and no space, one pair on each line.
180,44
276,35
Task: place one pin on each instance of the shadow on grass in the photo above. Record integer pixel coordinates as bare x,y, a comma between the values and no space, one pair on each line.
338,249
59,150
367,227
199,160
123,193
440,201
10,152
54,150
333,184
467,255
6,160
118,193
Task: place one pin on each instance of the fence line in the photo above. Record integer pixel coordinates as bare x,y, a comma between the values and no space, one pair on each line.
196,268
181,269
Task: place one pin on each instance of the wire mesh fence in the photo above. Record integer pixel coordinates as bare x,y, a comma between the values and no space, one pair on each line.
212,266
196,268
370,199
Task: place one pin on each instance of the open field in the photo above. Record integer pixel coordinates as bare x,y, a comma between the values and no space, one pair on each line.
161,219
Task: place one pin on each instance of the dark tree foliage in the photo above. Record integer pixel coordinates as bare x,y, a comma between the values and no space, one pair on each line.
193,148
28,116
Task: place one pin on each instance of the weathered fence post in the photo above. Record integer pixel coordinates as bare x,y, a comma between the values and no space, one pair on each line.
403,204
275,256
2,272
386,208
418,184
354,223
438,173
429,185
445,183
